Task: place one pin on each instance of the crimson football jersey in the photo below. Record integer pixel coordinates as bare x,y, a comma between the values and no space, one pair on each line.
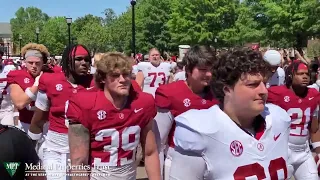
301,110
178,98
24,79
58,91
114,133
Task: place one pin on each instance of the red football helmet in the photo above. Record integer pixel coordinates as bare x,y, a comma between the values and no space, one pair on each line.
8,62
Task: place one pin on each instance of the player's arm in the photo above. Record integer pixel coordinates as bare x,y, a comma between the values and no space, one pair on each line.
15,116
40,116
21,98
315,136
186,165
79,138
149,146
314,126
171,77
79,143
140,78
189,148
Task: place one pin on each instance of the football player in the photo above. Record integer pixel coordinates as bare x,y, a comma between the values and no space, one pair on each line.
6,107
54,90
243,138
154,73
24,83
106,126
277,76
301,104
177,97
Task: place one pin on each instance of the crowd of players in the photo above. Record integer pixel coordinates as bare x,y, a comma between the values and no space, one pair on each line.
242,114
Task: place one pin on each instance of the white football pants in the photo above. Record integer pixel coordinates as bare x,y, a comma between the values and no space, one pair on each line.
303,163
55,164
6,118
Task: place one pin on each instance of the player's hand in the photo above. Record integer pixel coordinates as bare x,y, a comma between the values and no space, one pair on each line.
36,81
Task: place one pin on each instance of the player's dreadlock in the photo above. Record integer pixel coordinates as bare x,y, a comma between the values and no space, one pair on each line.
291,70
67,62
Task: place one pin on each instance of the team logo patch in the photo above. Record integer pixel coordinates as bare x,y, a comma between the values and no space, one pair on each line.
186,102
101,115
121,115
203,101
286,99
236,148
260,146
59,87
26,80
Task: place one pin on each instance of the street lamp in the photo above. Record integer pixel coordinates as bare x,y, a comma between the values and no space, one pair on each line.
215,44
133,3
8,49
69,21
37,33
20,39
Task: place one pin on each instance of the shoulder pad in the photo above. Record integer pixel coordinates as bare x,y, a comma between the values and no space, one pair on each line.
204,121
277,114
85,100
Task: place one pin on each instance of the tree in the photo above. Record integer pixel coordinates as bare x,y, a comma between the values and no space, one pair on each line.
55,35
110,16
25,22
200,21
81,22
94,36
152,30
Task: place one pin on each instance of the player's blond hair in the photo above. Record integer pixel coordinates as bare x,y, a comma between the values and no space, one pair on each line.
34,46
97,57
110,62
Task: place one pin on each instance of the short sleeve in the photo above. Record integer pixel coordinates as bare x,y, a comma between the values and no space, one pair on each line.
135,86
273,95
42,82
161,98
151,108
42,101
11,77
140,67
74,113
186,138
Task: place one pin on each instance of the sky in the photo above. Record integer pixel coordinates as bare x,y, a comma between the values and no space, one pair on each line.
67,8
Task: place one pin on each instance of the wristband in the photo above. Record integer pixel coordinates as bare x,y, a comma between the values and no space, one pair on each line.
15,114
30,94
315,144
33,136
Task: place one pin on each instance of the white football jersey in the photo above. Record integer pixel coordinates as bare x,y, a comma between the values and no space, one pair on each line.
135,69
6,104
231,153
180,76
154,76
277,79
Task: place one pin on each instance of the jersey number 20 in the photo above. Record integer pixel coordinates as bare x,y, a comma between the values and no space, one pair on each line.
258,171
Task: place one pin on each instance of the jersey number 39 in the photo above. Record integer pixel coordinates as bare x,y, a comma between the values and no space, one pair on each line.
119,147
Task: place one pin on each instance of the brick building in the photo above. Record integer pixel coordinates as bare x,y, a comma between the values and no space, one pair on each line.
6,45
